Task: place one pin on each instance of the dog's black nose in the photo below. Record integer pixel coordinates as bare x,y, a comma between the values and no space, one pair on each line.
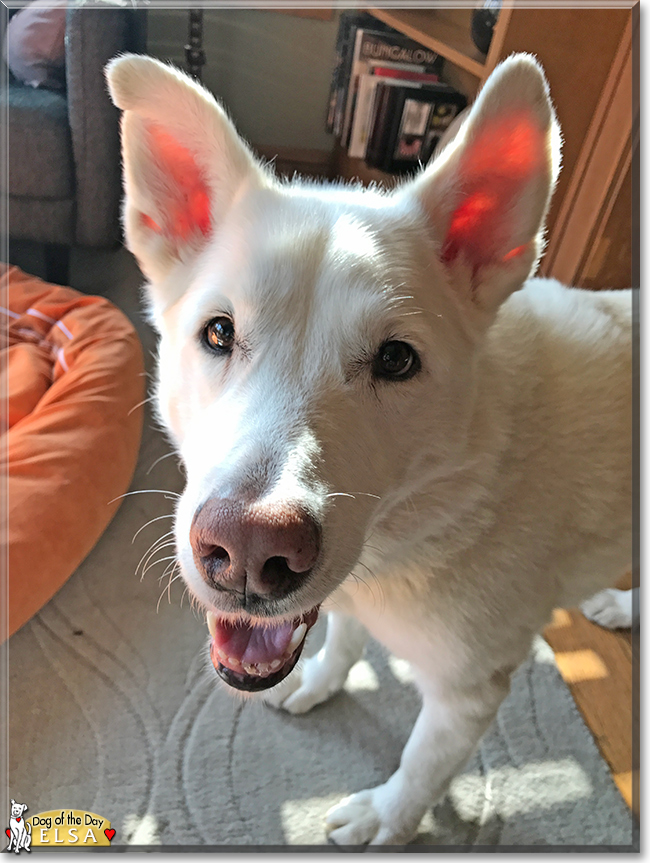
253,548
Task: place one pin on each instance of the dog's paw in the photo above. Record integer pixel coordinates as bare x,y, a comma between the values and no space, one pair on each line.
308,686
364,818
610,608
276,696
353,821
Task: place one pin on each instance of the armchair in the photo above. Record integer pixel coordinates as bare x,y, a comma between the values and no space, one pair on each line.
64,160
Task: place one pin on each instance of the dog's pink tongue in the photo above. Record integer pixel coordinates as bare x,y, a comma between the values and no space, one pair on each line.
253,644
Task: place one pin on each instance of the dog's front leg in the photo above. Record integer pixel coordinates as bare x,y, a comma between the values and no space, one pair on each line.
444,737
323,674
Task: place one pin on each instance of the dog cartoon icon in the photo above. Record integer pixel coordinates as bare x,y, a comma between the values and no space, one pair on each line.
19,831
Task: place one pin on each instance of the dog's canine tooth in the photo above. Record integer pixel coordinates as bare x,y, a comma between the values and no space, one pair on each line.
211,620
275,664
296,638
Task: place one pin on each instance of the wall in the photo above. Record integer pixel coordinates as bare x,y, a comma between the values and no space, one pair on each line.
272,71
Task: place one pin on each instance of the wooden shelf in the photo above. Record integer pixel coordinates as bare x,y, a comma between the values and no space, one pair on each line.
445,31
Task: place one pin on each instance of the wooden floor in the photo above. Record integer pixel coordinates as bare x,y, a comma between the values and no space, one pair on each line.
598,667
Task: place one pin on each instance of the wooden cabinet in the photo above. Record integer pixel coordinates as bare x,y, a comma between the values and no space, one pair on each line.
588,59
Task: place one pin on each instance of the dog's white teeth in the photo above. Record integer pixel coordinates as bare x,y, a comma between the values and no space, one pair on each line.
229,661
211,620
259,669
275,664
297,637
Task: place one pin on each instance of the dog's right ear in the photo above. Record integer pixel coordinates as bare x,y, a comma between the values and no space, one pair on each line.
184,163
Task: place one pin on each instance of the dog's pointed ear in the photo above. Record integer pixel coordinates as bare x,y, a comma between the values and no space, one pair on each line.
184,162
487,194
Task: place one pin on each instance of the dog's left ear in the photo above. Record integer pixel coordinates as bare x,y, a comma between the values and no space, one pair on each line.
487,194
184,163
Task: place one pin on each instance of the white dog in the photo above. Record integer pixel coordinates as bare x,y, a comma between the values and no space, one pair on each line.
20,832
379,411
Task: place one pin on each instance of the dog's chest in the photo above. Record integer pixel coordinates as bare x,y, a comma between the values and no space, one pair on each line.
409,629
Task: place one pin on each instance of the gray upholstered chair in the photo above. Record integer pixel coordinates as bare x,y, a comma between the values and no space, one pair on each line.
64,162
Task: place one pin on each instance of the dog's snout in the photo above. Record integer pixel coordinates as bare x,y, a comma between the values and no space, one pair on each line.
254,548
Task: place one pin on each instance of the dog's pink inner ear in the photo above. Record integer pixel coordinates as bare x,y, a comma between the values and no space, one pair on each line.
496,167
186,208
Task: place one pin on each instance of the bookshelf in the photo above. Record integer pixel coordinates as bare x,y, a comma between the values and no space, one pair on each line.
586,55
448,33
445,31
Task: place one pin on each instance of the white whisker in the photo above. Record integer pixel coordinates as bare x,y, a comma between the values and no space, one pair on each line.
352,494
139,404
163,538
170,568
146,566
164,590
161,560
162,457
183,596
158,545
169,494
171,515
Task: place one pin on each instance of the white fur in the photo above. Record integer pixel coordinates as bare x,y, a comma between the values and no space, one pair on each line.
457,508
611,608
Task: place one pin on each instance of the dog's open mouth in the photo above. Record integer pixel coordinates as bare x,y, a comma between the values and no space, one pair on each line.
253,657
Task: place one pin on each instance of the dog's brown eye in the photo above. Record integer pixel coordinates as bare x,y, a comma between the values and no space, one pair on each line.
219,334
396,360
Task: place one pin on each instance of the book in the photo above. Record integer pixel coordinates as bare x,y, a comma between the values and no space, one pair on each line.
341,37
349,22
364,111
384,109
408,124
376,46
364,108
406,73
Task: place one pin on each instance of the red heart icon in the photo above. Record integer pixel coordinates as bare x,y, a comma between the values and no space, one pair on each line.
8,832
19,819
109,833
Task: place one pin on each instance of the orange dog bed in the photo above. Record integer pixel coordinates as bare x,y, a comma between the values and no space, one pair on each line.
71,430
